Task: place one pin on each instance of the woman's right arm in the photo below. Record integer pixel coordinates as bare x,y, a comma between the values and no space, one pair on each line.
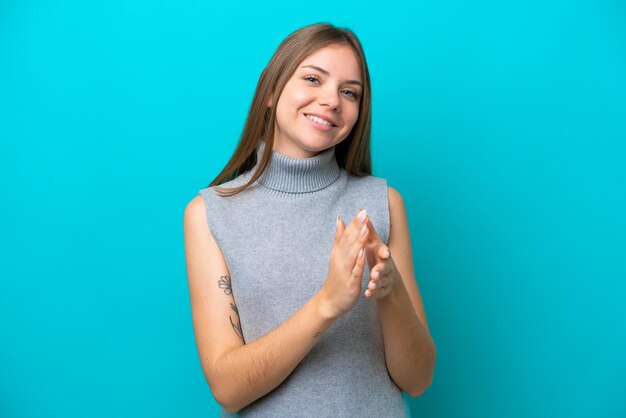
239,373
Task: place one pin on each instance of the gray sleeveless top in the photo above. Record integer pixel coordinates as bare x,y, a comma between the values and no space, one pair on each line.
276,237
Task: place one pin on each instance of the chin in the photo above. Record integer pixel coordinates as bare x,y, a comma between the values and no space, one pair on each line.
319,146
312,146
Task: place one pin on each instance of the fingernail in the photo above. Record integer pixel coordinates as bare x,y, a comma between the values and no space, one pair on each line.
337,221
361,253
362,215
363,230
372,286
375,274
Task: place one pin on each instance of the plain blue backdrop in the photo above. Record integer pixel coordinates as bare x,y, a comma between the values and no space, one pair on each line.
502,124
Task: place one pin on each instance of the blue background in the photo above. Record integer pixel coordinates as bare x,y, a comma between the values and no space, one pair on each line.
502,124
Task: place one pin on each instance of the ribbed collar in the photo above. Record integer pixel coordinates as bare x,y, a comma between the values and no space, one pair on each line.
298,175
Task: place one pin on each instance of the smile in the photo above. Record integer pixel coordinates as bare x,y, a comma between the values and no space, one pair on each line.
319,120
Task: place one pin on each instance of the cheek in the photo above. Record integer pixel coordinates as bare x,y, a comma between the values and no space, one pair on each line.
290,104
298,97
352,116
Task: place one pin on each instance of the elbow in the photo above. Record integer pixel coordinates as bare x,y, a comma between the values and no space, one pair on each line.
426,378
225,400
226,396
222,393
231,408
419,390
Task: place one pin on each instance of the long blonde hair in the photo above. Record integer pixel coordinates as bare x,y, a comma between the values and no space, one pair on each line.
352,154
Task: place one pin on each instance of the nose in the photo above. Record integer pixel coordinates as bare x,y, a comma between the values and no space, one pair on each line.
330,97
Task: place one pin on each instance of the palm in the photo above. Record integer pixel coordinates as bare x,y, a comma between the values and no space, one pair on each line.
382,269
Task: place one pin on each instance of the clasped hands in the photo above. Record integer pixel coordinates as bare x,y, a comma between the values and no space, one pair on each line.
383,272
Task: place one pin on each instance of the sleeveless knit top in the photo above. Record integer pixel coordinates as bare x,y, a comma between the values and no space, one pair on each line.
276,237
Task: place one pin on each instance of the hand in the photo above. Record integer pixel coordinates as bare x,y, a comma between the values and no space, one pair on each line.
347,263
383,272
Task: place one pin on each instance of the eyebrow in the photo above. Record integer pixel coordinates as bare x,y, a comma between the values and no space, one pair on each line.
323,71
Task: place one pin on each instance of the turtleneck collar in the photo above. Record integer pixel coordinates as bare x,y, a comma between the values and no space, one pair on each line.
298,175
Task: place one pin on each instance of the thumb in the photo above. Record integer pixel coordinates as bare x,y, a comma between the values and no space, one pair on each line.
384,252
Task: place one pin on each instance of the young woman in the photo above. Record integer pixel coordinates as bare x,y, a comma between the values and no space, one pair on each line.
296,313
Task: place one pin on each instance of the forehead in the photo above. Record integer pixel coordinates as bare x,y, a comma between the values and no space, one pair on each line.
339,60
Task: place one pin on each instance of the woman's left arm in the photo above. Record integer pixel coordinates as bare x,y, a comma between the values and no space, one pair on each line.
409,349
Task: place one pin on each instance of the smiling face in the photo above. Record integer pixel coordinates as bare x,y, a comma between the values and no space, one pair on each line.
320,102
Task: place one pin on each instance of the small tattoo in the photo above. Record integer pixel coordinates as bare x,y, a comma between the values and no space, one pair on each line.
234,308
317,334
225,283
236,326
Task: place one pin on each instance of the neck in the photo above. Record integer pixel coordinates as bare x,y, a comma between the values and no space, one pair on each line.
293,151
298,175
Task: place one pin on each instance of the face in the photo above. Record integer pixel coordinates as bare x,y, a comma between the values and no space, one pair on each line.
320,102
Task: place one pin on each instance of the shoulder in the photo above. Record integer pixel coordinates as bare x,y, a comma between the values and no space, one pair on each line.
395,199
397,211
196,230
195,211
195,204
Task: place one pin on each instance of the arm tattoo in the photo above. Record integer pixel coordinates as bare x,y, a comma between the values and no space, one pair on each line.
317,334
236,326
225,284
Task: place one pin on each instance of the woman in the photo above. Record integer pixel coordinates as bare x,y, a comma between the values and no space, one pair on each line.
288,318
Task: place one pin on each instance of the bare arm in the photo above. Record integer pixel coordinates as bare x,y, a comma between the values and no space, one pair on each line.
409,349
240,373
246,373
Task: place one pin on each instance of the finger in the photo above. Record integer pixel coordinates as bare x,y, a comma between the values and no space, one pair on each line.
359,266
360,219
374,237
377,253
358,237
358,227
340,228
370,254
382,269
384,252
383,281
377,280
375,274
377,277
377,293
363,234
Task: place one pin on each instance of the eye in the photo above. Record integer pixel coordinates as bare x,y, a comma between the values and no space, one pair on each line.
311,78
351,93
314,79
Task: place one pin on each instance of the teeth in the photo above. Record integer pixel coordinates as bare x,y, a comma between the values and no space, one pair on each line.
318,120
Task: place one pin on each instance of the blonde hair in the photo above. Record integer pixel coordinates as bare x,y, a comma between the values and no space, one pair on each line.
352,154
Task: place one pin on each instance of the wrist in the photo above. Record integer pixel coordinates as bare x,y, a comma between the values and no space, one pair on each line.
324,309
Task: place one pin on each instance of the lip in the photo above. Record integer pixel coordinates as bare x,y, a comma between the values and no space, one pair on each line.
326,118
318,126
